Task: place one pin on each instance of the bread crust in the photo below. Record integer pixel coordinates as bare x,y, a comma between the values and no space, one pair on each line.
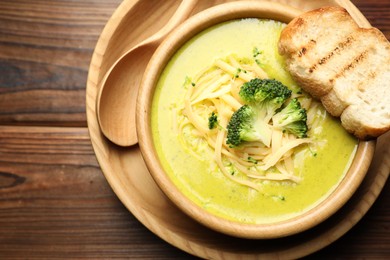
343,65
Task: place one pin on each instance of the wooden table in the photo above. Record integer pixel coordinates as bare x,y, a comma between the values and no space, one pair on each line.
54,199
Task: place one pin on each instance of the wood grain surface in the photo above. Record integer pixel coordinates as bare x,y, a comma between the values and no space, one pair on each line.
54,199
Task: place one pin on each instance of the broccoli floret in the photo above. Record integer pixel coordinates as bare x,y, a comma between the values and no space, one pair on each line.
292,119
246,126
262,97
267,95
213,121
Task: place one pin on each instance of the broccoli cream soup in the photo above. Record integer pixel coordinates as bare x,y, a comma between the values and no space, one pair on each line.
237,135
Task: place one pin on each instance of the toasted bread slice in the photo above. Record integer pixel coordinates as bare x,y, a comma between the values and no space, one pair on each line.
368,60
368,115
343,65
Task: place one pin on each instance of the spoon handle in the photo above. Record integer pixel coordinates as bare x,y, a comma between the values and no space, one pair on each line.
181,14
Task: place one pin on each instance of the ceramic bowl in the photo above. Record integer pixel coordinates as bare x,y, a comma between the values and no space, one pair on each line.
173,42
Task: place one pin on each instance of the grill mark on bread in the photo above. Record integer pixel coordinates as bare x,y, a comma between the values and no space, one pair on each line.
302,52
338,49
357,60
304,49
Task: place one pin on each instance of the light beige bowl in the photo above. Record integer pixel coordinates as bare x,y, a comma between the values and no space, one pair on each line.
175,40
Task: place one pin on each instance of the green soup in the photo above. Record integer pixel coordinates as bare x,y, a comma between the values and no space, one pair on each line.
199,178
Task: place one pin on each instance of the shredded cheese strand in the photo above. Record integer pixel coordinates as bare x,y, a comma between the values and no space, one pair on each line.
216,89
273,158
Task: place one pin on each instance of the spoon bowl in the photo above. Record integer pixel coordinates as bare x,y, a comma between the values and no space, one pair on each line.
116,98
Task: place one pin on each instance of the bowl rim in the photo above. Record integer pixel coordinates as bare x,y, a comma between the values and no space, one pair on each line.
194,25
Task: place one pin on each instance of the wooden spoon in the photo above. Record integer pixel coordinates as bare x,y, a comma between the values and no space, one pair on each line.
116,99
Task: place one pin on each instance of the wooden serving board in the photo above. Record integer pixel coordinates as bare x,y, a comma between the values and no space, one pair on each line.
128,176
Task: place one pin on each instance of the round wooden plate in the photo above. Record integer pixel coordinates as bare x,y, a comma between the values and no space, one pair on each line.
128,176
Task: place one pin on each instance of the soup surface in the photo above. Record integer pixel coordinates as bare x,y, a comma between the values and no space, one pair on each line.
320,165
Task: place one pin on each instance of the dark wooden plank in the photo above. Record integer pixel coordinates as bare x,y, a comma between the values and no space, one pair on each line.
377,13
55,201
45,51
